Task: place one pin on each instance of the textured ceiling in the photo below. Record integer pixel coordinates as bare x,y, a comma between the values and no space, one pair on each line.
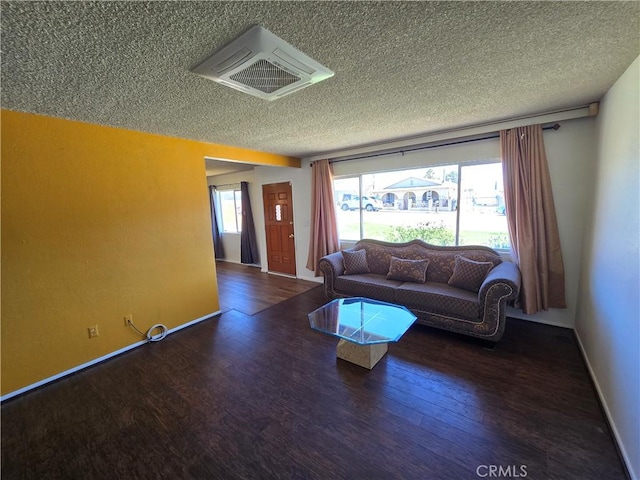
402,69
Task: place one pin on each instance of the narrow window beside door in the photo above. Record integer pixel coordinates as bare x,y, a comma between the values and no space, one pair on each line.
231,210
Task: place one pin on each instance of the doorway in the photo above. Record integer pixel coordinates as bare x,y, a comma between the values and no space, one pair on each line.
278,220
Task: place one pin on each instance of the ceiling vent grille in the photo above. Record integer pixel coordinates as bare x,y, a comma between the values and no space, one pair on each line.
261,64
264,76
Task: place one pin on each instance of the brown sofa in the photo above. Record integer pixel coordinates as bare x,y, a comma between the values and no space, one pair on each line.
456,294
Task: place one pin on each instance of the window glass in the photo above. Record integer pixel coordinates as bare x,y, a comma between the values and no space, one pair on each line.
422,203
231,210
238,198
416,204
346,195
482,213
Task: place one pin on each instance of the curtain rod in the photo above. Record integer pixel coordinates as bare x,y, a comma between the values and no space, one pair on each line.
544,118
555,126
226,185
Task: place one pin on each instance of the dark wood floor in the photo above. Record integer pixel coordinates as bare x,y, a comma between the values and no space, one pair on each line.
249,290
263,396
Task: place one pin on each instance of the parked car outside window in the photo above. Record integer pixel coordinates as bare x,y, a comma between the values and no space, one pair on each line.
352,202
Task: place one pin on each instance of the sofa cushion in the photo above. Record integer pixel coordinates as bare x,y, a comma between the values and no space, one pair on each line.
441,259
355,262
367,285
469,274
379,258
439,298
408,270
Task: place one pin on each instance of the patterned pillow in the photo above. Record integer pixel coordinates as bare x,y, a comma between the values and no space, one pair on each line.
355,262
469,274
406,270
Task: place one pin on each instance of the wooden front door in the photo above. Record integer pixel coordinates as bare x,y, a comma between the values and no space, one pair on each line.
278,219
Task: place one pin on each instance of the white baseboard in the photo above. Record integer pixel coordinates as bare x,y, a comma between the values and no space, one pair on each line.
540,317
618,440
319,280
543,322
238,262
100,359
279,274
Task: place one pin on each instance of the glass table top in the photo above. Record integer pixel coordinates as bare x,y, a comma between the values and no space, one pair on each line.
362,320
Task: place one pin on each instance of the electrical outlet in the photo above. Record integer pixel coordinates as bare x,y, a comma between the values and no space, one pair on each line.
93,331
128,320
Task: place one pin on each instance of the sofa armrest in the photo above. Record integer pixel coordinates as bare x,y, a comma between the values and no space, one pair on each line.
501,285
502,282
333,263
331,266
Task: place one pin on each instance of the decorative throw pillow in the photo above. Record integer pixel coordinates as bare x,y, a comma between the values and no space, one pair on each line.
469,274
355,262
406,270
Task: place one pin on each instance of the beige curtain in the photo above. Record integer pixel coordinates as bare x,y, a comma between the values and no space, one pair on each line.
531,215
324,228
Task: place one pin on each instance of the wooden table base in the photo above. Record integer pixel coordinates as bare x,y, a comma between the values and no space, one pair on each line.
364,355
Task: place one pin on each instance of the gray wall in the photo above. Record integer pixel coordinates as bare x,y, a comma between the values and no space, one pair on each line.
608,317
300,179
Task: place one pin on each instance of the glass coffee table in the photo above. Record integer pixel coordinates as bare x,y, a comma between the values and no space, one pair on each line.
364,327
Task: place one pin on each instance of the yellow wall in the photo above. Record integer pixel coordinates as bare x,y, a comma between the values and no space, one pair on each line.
97,223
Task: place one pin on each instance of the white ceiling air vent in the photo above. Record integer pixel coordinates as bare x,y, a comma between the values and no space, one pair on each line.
262,64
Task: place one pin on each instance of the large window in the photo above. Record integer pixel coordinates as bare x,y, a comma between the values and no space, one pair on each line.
443,205
231,210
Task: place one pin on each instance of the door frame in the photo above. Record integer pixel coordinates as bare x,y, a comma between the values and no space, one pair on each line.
265,262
